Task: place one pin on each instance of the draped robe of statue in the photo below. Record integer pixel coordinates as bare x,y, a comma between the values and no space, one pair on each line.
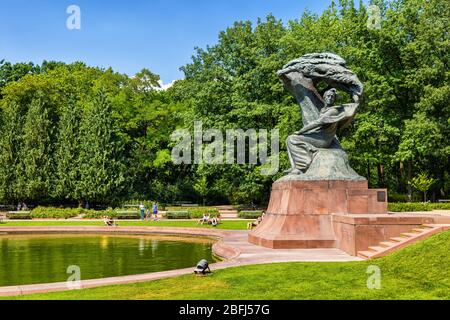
315,152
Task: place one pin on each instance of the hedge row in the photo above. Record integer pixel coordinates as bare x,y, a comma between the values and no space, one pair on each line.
250,214
67,213
195,212
56,213
178,215
417,206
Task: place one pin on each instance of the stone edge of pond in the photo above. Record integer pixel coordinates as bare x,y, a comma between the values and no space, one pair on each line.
220,248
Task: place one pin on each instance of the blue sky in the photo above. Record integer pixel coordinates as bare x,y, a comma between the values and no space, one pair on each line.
129,35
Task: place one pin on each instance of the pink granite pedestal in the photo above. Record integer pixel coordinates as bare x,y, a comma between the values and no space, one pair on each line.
300,212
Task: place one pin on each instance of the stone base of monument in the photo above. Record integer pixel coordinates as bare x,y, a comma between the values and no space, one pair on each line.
300,212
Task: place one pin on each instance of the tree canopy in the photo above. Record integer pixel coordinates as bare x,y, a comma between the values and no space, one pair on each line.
73,133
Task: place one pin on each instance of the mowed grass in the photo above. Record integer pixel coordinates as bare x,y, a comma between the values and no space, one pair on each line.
417,272
225,225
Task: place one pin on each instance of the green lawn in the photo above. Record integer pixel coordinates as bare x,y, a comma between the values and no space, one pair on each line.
226,224
418,272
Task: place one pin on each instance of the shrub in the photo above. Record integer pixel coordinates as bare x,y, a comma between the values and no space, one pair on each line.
56,213
195,212
250,214
66,213
178,215
417,206
93,214
440,206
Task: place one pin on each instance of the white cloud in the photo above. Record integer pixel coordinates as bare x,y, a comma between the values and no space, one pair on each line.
164,86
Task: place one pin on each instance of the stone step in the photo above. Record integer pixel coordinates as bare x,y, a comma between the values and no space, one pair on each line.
228,211
229,215
225,207
420,230
365,254
398,239
388,244
396,243
409,234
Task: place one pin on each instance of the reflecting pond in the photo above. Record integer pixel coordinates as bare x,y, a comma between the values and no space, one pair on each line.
32,259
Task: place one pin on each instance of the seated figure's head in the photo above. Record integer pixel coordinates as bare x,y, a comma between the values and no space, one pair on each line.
330,97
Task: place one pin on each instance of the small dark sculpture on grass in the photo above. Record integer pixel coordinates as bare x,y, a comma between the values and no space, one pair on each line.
315,152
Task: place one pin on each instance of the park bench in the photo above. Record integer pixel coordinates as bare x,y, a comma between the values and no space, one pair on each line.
444,201
128,215
177,215
19,215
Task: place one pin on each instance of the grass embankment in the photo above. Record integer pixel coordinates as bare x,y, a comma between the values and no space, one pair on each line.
417,272
225,225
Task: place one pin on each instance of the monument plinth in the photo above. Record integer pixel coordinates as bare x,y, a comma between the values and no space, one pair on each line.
300,212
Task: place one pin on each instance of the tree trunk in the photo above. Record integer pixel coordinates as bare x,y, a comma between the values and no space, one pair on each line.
409,180
368,172
381,180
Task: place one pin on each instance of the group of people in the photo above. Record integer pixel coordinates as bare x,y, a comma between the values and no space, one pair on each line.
146,214
22,206
214,221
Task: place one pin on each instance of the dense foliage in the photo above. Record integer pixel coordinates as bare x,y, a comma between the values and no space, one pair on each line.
72,133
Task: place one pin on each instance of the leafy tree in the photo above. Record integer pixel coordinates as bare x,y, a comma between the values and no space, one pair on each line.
13,72
101,162
422,182
11,124
36,153
67,155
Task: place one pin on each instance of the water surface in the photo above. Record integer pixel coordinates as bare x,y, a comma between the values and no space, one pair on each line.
32,259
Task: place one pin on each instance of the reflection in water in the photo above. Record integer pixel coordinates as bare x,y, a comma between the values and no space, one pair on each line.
154,246
104,243
45,258
141,246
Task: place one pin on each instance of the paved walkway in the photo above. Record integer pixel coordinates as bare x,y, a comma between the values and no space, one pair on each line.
233,246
